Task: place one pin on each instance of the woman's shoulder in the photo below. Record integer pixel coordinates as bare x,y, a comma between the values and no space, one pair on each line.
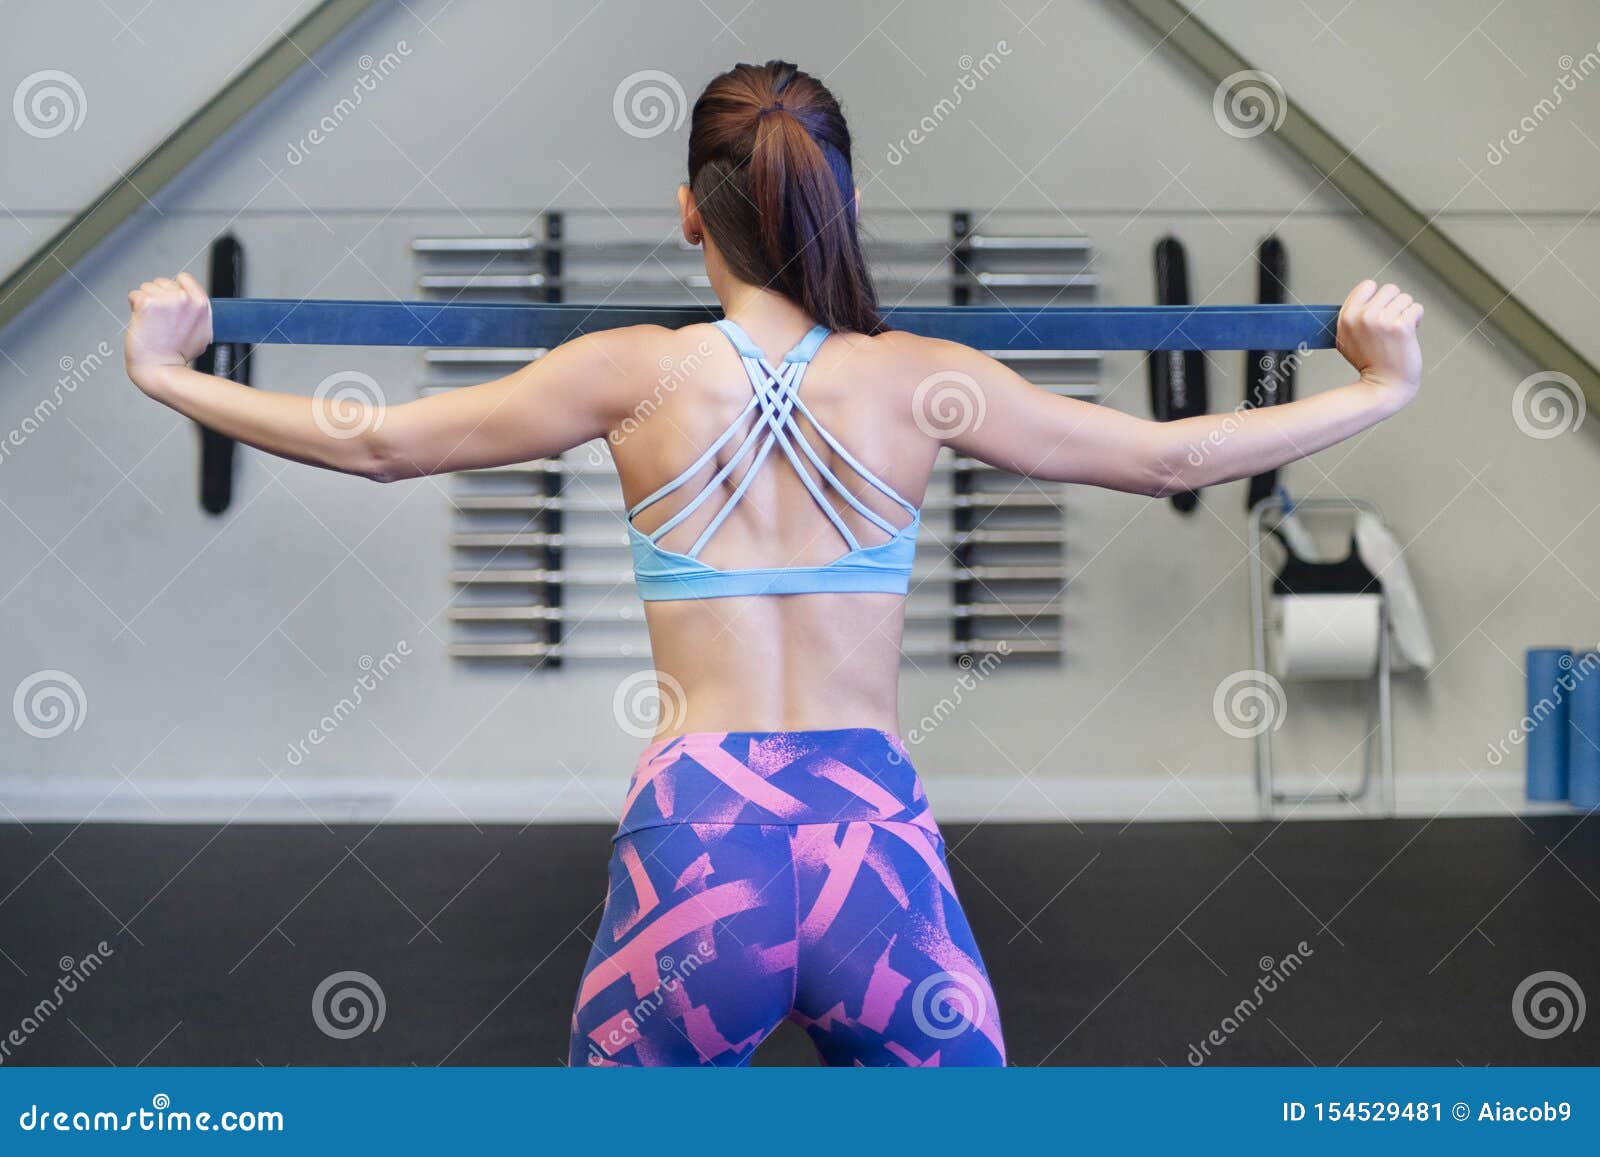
908,358
901,343
650,347
635,356
643,356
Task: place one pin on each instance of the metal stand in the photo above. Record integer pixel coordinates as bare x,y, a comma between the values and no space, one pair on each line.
1378,746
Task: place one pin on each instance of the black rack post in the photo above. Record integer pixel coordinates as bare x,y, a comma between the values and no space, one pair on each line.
553,482
962,593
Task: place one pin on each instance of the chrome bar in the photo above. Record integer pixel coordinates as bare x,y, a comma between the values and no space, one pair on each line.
527,243
535,539
571,651
512,576
540,614
1037,280
628,280
1029,244
533,504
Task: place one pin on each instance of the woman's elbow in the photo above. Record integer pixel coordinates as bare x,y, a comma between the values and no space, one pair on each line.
1168,468
1162,487
378,457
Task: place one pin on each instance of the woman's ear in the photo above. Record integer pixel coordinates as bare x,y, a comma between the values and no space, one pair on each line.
693,231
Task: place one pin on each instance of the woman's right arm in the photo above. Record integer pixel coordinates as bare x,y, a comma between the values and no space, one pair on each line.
1021,428
566,398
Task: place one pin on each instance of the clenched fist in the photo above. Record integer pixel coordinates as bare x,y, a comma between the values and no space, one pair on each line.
1378,336
171,324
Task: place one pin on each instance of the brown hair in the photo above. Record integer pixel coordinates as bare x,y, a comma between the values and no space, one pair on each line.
769,167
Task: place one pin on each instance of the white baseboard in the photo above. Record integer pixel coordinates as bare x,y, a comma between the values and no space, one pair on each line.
970,799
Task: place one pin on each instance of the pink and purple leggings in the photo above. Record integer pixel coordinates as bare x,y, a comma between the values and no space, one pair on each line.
759,876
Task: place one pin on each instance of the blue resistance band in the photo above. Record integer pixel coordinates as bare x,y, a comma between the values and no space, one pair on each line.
492,324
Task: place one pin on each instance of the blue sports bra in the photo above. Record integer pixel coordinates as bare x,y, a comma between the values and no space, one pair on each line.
666,574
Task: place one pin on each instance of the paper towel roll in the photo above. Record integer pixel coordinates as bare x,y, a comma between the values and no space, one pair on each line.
1324,636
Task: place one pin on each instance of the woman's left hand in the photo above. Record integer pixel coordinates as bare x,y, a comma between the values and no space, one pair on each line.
171,325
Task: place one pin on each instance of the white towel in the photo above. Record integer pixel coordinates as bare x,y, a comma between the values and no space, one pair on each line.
1384,558
1297,538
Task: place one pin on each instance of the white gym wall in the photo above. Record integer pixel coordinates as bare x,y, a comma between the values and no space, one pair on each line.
207,647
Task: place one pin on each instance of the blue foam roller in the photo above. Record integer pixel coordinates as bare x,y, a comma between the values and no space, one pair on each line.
1583,748
1547,722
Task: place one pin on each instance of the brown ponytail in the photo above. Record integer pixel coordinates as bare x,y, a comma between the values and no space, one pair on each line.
769,166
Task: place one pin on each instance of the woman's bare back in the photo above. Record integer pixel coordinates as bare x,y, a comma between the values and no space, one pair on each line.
787,662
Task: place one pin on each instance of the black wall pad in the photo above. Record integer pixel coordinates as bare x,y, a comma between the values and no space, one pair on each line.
478,938
1269,374
1177,377
229,360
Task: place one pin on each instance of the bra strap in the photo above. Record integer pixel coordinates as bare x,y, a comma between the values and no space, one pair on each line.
806,348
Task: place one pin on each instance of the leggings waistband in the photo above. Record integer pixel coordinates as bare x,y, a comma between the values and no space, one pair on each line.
775,778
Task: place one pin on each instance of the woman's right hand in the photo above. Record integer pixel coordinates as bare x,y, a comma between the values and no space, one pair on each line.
1378,336
170,326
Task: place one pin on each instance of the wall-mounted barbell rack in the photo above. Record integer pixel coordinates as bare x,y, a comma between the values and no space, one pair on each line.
540,548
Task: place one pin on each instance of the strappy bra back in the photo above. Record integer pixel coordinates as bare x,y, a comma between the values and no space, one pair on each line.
885,567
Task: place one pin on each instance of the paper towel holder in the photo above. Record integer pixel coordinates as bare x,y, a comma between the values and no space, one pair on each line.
1379,743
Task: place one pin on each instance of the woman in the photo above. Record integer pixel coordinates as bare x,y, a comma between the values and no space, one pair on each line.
776,857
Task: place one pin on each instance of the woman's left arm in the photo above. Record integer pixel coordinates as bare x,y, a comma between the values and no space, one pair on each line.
1021,428
564,399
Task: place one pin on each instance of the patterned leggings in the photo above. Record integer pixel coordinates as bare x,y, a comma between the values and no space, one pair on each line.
759,876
